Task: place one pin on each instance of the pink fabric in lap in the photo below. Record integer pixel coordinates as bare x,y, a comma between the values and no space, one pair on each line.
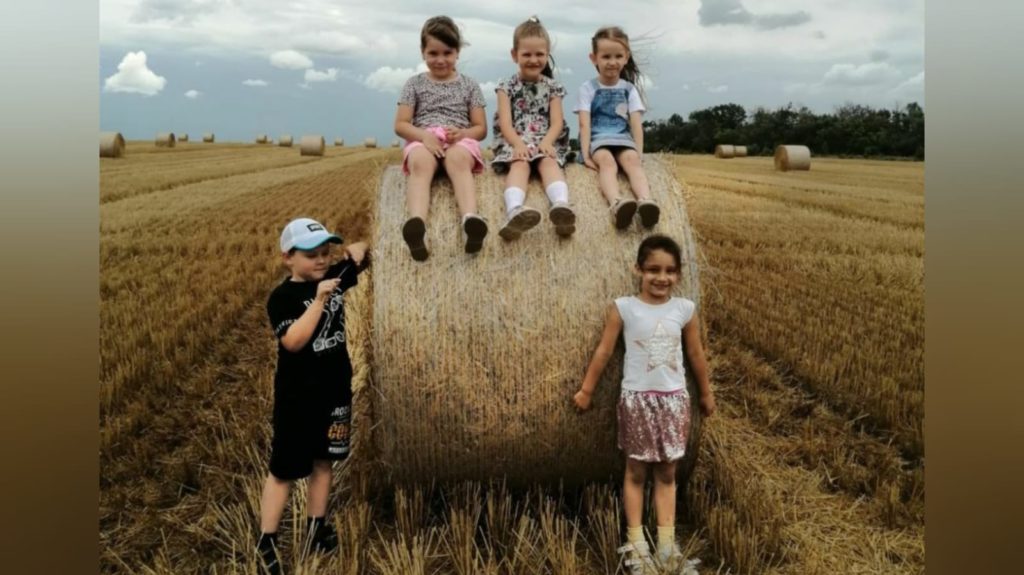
471,145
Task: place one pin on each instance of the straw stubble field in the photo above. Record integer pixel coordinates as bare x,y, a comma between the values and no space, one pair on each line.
813,291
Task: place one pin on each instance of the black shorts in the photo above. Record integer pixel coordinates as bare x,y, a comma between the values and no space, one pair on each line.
310,426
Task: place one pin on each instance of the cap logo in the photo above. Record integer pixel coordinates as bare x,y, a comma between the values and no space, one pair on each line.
314,227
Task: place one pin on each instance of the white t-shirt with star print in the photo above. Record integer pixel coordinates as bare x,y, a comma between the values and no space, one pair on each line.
654,343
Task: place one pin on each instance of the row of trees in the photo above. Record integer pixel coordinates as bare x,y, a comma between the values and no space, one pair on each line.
852,130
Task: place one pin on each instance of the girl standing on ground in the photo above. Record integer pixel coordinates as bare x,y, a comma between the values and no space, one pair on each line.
610,110
530,134
441,116
654,404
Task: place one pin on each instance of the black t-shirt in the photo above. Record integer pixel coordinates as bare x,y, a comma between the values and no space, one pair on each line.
324,359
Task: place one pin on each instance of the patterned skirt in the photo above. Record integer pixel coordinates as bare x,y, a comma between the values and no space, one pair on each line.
654,425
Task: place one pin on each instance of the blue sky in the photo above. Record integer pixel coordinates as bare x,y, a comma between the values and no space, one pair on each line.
243,67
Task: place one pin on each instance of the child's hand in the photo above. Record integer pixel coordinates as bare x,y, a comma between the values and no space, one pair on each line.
454,134
521,152
433,145
356,252
548,150
707,405
324,288
588,162
582,400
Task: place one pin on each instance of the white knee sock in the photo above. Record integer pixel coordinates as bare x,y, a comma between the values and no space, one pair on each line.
514,198
558,192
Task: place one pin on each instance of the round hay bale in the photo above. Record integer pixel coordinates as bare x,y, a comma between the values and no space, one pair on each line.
183,138
370,142
792,158
285,141
311,146
208,137
476,357
339,142
261,139
725,151
165,140
111,145
395,143
739,151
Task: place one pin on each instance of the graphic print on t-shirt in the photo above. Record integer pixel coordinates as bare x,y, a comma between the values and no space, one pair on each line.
661,349
332,333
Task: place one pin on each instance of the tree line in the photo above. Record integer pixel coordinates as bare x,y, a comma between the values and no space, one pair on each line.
851,130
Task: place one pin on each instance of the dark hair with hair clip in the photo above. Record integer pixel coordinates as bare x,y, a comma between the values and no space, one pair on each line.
630,72
659,242
443,29
532,28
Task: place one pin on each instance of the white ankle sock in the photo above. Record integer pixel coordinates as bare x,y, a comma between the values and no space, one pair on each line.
514,198
558,192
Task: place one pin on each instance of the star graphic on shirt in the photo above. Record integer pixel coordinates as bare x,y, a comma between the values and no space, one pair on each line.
661,349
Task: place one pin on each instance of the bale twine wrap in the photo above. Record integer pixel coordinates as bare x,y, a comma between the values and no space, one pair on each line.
739,151
311,145
208,137
111,145
183,138
792,158
165,140
725,151
475,358
370,142
339,142
285,141
261,139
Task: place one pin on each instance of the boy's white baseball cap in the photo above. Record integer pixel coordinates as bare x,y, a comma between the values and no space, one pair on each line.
305,234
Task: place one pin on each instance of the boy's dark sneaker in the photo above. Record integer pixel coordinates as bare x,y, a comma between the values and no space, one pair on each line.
649,212
269,557
412,232
322,535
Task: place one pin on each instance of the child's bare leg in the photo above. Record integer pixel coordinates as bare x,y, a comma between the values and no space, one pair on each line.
518,175
630,162
633,492
422,165
275,496
319,488
458,162
607,174
665,493
549,171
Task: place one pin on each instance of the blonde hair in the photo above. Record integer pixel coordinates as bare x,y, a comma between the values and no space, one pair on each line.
532,28
631,71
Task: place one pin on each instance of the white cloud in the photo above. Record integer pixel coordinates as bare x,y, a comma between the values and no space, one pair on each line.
329,75
718,89
290,60
134,77
488,87
257,82
192,94
388,79
861,75
916,81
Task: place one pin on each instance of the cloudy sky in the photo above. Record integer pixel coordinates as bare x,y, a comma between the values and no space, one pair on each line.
243,67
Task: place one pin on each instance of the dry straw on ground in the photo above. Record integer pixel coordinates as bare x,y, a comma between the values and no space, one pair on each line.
311,145
724,151
111,145
474,369
370,142
208,137
285,141
739,151
165,140
792,158
339,142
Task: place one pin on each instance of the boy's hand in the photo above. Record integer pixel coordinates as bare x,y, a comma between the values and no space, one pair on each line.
582,400
324,288
707,404
356,252
588,162
433,145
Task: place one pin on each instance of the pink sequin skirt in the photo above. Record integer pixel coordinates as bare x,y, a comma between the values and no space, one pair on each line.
654,426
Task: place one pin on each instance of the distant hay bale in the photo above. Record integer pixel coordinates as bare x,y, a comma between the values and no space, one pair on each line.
285,141
261,139
111,145
339,142
165,139
183,138
370,142
739,151
395,143
725,151
208,137
474,378
311,146
792,158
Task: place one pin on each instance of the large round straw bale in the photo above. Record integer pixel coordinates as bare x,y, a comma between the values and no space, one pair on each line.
183,138
311,145
476,357
285,141
261,139
395,143
111,145
208,137
339,142
739,151
165,139
792,158
725,151
370,142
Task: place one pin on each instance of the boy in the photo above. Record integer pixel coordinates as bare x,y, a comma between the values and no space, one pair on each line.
313,381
